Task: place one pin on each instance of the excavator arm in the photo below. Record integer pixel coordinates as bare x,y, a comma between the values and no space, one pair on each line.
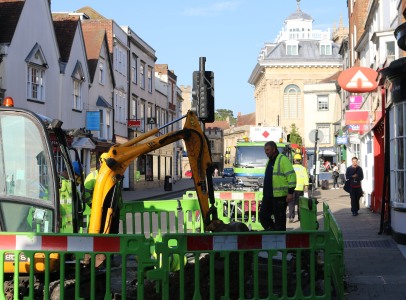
121,155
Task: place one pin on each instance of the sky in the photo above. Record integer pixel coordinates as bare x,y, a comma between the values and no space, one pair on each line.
229,33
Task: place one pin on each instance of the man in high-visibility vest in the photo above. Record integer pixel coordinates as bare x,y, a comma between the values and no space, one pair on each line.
65,194
279,185
302,185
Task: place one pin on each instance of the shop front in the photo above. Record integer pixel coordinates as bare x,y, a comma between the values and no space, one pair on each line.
396,108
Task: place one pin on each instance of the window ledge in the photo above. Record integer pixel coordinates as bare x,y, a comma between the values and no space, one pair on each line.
36,101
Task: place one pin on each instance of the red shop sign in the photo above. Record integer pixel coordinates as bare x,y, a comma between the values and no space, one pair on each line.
358,80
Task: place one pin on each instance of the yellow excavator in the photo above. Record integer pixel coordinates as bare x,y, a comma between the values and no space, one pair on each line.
121,155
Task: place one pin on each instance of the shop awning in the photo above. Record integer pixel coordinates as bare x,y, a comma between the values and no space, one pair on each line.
324,152
327,153
83,143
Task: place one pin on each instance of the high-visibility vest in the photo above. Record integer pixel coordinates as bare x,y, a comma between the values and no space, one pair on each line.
65,199
302,178
283,177
89,184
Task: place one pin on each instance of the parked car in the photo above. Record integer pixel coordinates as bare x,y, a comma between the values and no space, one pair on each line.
228,172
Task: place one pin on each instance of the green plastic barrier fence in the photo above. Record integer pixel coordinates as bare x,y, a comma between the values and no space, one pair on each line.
174,260
239,206
336,244
184,215
47,260
308,213
252,265
156,217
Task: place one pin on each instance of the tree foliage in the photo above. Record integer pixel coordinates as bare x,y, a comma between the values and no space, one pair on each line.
295,137
222,115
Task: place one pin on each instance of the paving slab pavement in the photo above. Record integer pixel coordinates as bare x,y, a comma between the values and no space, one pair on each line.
375,265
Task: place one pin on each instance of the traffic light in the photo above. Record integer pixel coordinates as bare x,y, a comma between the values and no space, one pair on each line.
207,104
203,95
202,100
228,154
196,84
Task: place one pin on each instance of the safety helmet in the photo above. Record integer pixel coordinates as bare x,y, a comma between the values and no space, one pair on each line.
297,157
76,167
104,156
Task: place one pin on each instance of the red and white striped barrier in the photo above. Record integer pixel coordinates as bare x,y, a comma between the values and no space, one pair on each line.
60,243
248,197
234,195
245,242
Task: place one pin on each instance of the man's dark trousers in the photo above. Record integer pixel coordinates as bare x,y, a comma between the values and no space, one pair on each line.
355,195
276,207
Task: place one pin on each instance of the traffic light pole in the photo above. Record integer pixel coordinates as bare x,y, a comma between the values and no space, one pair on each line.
316,158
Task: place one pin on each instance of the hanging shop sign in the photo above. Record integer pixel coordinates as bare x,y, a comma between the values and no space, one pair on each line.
151,121
342,140
355,102
357,121
358,80
131,123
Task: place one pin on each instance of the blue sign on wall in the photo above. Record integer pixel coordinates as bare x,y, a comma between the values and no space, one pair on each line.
93,120
342,140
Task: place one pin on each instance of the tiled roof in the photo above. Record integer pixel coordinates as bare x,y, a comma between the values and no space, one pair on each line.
218,124
93,37
248,119
65,29
10,11
100,21
90,12
104,25
332,78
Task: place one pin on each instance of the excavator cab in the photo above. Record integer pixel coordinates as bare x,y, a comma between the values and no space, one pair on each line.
29,181
28,189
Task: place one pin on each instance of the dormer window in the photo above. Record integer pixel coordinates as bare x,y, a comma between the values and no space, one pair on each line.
326,48
36,68
78,77
292,48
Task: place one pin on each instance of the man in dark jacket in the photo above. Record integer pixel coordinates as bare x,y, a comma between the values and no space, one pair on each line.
355,175
279,185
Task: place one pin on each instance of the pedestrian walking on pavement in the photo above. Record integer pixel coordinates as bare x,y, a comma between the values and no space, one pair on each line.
335,175
343,169
279,186
302,184
355,175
